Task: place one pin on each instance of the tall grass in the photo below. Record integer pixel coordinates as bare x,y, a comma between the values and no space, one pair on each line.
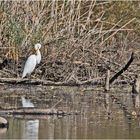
86,34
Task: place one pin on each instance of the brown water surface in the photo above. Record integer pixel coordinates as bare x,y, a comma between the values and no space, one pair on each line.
97,115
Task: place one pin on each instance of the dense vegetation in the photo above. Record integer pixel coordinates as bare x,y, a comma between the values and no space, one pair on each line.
80,38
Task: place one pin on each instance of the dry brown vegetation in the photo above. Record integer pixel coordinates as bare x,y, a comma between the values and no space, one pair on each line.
80,38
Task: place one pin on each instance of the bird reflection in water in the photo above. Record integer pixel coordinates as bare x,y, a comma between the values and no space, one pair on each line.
3,132
30,127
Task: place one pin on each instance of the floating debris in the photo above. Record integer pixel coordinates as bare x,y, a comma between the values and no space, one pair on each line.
3,122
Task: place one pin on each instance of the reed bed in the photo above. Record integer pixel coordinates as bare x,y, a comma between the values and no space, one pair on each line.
80,38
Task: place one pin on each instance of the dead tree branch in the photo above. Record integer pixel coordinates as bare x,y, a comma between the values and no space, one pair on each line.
124,68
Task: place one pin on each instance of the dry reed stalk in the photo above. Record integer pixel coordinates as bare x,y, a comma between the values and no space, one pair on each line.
117,31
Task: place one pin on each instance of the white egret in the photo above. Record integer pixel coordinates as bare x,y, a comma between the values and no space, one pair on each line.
32,61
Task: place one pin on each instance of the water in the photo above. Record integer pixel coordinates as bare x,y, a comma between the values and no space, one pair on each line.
69,127
95,120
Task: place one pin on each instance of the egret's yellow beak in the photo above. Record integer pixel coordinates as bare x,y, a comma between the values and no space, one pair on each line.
34,50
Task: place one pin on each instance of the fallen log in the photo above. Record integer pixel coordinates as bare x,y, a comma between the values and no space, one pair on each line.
124,68
95,81
36,111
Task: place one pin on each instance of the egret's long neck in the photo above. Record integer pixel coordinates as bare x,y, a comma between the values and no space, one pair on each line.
38,56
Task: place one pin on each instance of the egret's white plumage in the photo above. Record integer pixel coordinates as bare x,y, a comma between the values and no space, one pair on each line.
29,65
32,61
